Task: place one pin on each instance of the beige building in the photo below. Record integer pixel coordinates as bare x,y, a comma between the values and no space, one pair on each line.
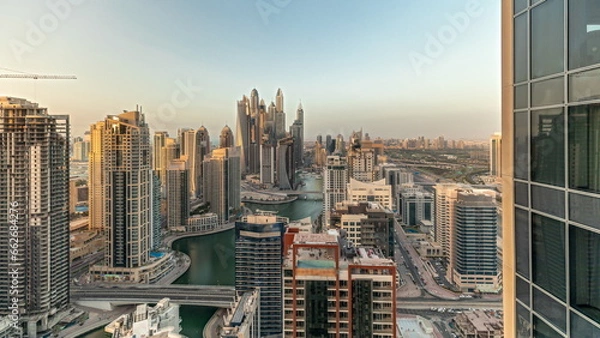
377,192
329,291
121,154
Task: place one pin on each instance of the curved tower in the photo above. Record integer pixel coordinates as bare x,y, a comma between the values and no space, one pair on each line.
226,138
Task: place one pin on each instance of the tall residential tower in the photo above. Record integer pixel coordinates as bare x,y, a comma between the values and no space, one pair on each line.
34,213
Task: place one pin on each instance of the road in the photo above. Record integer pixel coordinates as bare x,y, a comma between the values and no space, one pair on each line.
424,304
417,268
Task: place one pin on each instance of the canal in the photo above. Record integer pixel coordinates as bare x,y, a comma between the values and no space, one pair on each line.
213,256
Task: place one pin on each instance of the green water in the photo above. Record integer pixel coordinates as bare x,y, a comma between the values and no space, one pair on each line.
213,258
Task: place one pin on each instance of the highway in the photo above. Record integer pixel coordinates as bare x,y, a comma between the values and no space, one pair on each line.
417,303
416,265
199,295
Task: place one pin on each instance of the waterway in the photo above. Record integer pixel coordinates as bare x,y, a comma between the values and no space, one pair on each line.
213,257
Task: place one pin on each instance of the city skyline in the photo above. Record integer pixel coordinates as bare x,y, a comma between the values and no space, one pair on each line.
341,61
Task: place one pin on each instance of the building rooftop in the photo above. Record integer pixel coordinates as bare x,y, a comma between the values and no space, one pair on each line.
480,321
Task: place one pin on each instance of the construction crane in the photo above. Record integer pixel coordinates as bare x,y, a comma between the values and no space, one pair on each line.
38,77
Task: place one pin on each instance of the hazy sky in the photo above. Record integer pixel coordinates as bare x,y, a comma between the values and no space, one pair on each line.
397,68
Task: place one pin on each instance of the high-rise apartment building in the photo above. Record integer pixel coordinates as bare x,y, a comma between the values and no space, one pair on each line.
156,211
258,260
189,152
335,180
81,148
96,175
474,266
337,290
178,199
267,164
126,188
170,151
496,155
445,207
202,151
34,213
361,160
226,138
297,131
367,224
159,141
551,173
286,170
416,204
221,182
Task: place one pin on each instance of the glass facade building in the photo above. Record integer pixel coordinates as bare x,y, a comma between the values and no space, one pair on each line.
258,259
551,167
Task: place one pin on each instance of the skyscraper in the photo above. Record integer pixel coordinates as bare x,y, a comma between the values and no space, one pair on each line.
285,164
335,180
96,195
249,133
226,138
496,155
333,289
159,141
189,152
156,211
445,217
34,188
551,177
169,152
297,131
221,182
178,199
202,150
126,183
258,259
475,262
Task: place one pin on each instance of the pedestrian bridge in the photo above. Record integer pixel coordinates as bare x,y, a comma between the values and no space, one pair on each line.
107,296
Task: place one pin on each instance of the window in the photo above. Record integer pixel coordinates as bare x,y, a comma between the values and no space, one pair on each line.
585,271
522,194
548,255
582,328
547,92
543,330
550,309
521,96
522,290
584,148
547,38
584,33
520,5
548,200
520,45
521,146
584,86
523,323
522,241
585,210
547,146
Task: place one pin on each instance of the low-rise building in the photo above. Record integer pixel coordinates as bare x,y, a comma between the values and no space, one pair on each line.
479,324
160,321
